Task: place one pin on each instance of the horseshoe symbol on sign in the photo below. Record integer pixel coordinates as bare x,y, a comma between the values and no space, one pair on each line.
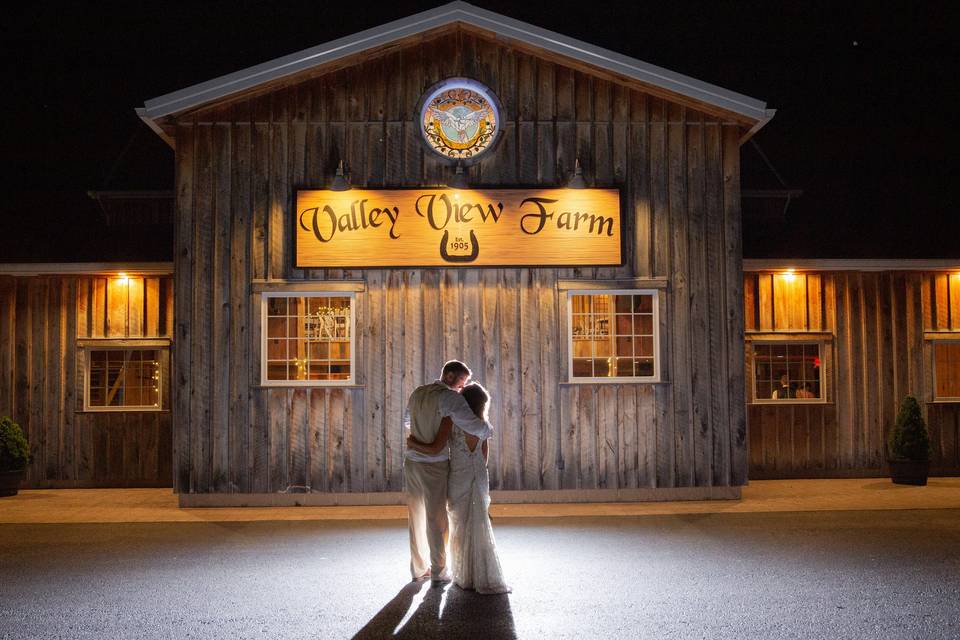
474,251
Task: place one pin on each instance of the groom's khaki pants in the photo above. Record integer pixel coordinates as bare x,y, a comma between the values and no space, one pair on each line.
425,484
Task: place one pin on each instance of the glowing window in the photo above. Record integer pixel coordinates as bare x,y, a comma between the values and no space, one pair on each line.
120,379
946,367
613,336
788,371
307,339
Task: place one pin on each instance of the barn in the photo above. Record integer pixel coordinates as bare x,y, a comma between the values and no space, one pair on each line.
459,184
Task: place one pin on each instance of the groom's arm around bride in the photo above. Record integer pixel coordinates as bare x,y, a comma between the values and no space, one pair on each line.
455,406
425,474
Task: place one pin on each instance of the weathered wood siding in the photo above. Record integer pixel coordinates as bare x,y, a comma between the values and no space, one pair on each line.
41,378
238,166
877,354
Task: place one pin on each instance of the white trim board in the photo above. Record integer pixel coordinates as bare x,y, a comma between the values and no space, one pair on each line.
85,268
265,296
841,264
655,295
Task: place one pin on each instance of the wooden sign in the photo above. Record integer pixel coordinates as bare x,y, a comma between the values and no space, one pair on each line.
457,227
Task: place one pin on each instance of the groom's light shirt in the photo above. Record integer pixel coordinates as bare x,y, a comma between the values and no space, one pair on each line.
450,403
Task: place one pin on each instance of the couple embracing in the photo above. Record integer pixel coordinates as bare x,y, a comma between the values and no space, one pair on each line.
446,483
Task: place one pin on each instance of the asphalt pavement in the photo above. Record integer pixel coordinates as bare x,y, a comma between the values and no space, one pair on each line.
838,574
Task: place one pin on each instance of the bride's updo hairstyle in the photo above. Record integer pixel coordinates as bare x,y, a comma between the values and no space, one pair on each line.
477,398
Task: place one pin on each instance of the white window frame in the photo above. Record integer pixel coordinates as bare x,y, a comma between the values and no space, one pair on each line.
88,347
292,293
653,293
822,344
955,339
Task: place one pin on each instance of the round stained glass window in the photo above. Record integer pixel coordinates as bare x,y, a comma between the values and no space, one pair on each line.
459,119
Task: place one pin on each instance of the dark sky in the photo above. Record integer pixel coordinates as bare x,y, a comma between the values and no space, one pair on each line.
866,95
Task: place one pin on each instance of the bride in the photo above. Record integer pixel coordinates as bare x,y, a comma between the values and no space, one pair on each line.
473,549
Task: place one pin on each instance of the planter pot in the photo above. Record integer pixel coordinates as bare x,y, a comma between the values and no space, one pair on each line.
909,471
10,482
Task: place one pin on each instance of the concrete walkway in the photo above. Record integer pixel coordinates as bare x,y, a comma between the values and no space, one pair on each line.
77,506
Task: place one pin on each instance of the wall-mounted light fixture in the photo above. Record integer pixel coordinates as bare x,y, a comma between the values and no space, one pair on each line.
789,275
576,180
340,181
459,179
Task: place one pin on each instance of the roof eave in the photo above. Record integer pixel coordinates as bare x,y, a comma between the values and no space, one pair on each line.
768,116
155,127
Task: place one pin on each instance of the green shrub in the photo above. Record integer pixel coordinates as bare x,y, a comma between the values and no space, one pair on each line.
909,439
14,450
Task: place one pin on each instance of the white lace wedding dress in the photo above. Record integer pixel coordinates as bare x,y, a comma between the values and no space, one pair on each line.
473,549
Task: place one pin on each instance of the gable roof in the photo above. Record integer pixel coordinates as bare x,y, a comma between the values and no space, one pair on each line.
749,108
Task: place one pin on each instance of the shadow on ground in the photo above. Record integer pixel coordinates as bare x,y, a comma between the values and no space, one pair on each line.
423,611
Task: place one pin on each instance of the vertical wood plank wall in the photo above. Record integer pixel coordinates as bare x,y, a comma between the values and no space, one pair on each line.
41,378
238,167
878,355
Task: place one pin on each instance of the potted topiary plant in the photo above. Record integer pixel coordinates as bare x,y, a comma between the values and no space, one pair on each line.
909,445
14,456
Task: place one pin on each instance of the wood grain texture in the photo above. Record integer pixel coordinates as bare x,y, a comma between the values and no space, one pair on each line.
200,309
238,344
680,326
677,172
877,354
220,307
377,325
43,378
511,426
551,366
701,348
396,390
733,307
68,364
531,378
490,371
721,343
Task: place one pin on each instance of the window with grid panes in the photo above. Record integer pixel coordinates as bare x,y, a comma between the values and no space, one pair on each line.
122,379
613,336
946,369
787,371
307,338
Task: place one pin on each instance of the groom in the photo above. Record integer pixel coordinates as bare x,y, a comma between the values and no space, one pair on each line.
425,476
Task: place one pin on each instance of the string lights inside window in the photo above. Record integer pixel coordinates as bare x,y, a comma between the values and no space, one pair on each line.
613,336
123,379
308,338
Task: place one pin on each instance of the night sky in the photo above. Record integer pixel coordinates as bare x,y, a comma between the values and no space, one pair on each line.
866,97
